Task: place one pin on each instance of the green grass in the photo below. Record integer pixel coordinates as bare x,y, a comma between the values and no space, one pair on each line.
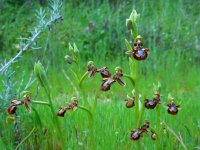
170,30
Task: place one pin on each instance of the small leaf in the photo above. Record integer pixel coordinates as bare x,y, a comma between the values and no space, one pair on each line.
128,46
133,68
75,49
10,119
70,47
134,30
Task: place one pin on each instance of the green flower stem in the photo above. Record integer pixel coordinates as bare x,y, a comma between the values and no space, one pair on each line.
130,78
90,114
87,110
25,138
40,103
55,119
134,75
82,78
157,125
81,88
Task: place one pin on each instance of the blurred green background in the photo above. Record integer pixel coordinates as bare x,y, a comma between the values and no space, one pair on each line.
98,27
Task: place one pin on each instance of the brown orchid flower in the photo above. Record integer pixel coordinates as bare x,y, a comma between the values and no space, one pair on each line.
73,106
92,70
130,101
151,104
14,103
107,82
138,52
62,111
153,135
172,108
137,133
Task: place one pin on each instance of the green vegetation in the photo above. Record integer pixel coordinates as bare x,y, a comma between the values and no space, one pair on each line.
98,29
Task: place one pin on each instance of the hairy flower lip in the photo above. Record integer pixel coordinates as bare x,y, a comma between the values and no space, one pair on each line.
107,82
73,106
130,102
137,133
172,108
151,104
11,109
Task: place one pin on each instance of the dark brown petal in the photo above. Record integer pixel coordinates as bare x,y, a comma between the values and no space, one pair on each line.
27,105
121,82
12,109
61,112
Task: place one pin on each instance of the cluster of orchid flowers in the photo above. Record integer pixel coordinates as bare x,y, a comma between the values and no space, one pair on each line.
144,129
108,78
73,106
172,108
138,53
26,101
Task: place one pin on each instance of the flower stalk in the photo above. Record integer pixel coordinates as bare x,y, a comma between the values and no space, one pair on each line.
42,78
87,108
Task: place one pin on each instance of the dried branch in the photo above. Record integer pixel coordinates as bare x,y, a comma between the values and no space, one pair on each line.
55,15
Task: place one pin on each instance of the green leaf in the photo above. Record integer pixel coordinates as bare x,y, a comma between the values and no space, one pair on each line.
133,68
128,46
134,30
40,73
10,119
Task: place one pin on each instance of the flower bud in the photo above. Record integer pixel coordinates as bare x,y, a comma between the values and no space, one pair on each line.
70,47
129,24
68,59
41,75
75,49
134,15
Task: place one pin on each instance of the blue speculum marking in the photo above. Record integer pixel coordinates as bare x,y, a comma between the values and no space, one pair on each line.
140,52
173,108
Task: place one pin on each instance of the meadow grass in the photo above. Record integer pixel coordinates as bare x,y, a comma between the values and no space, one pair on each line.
169,29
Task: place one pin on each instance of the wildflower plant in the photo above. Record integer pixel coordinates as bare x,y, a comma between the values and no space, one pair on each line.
136,52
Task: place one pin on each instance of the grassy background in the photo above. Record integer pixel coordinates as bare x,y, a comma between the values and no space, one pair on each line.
170,30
